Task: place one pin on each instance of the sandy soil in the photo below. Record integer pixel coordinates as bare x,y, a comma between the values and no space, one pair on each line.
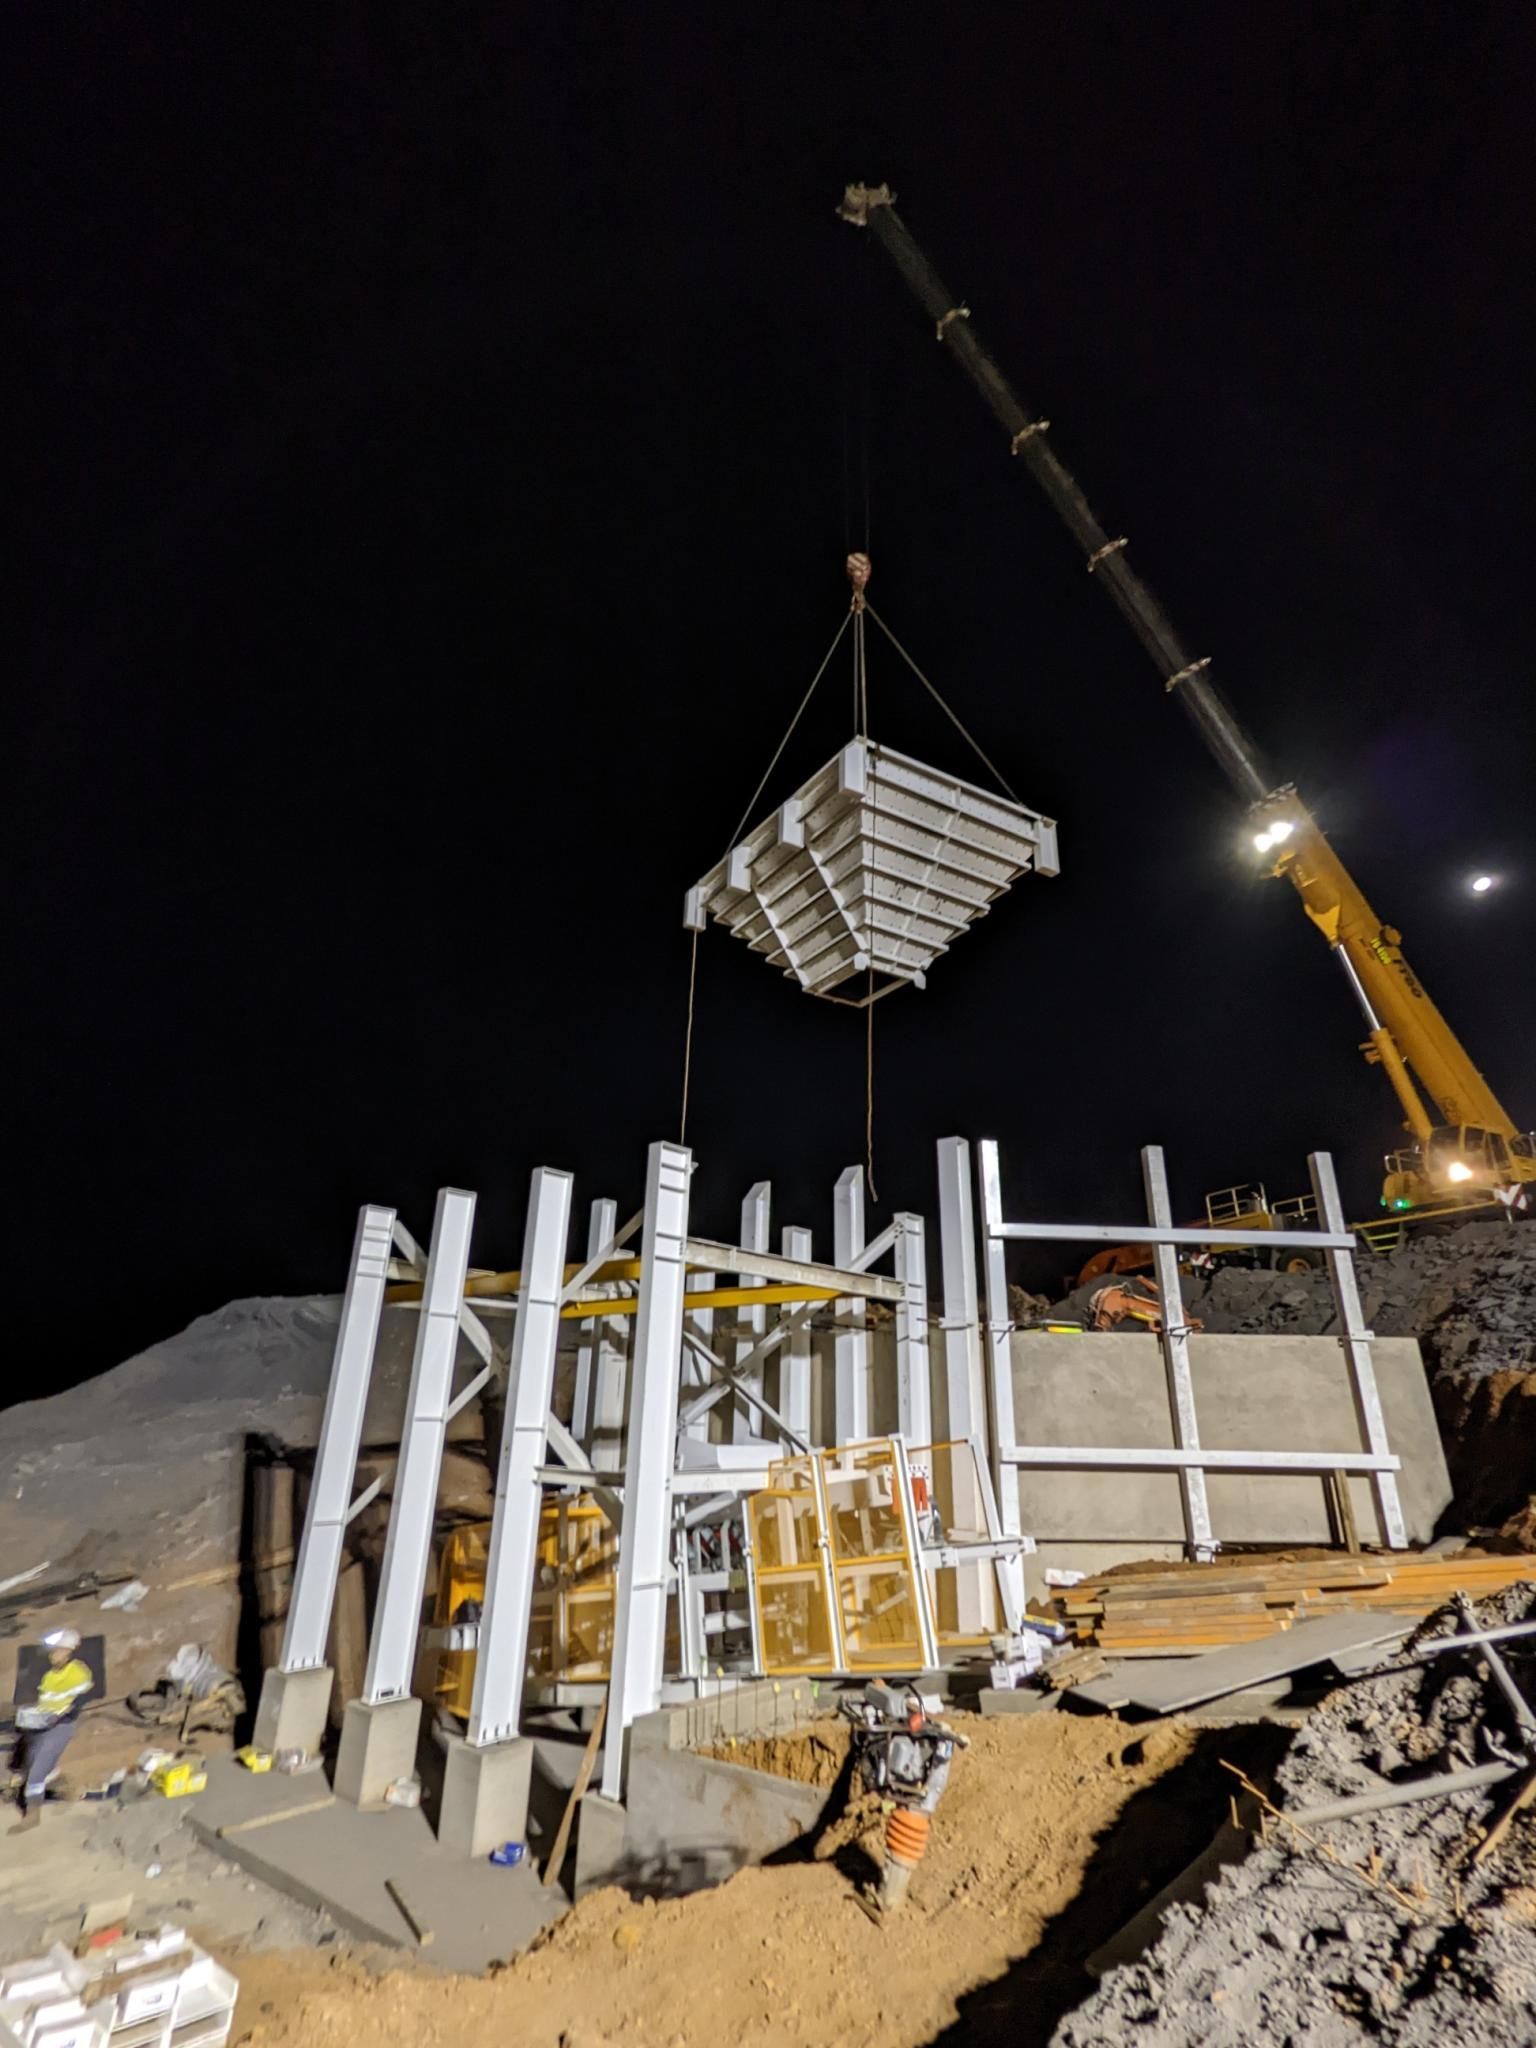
784,1955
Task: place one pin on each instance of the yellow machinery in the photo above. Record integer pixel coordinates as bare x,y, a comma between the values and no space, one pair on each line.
1471,1145
859,1562
1465,1143
570,1634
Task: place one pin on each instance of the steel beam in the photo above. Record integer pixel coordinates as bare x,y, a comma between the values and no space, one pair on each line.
1355,1338
513,1552
601,1220
1137,1233
755,1225
850,1405
402,1581
341,1434
914,1390
1131,1458
795,1363
829,1280
964,1377
1174,1338
645,1542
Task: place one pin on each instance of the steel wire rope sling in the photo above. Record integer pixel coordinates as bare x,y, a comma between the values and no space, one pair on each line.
778,753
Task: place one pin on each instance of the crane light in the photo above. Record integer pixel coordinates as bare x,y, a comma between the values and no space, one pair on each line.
1481,884
1458,1170
1282,828
1263,841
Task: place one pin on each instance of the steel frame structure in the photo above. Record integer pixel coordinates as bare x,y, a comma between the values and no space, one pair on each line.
1188,1458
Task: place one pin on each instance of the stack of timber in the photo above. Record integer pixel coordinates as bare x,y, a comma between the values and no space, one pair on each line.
1195,1607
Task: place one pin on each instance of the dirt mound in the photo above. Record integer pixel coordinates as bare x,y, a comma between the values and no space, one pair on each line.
1045,1820
1396,1933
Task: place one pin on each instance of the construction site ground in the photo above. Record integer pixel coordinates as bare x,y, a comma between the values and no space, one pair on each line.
1053,1831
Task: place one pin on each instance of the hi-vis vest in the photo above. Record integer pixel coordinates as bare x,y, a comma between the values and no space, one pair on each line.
60,1693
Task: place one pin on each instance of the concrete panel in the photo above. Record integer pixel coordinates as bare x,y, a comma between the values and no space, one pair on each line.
1251,1393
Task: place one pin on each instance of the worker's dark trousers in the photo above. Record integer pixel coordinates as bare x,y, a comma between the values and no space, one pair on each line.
41,1749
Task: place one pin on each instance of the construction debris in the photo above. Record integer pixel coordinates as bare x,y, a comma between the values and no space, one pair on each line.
1187,1608
1386,1921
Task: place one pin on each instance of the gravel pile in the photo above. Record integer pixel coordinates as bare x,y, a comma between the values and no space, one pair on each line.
1413,1944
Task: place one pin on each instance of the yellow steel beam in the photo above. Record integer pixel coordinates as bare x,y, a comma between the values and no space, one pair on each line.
716,1297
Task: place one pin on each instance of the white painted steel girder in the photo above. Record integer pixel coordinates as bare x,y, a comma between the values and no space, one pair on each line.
1174,1338
755,1237
1355,1338
850,1396
877,863
964,1375
914,1388
602,1221
341,1434
402,1581
795,1360
503,1653
645,1541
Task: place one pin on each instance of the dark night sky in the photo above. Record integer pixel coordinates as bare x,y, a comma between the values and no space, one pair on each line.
429,504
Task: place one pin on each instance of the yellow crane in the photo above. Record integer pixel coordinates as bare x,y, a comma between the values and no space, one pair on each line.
1466,1148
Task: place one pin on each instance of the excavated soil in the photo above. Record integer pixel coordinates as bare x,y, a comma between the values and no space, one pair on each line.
807,1756
1053,1830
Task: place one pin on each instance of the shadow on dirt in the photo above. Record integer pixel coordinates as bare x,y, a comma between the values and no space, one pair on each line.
1156,1834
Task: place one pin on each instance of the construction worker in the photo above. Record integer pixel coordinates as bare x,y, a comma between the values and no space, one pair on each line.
45,1729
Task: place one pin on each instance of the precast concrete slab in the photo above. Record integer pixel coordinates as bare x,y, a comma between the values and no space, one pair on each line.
1252,1393
341,1860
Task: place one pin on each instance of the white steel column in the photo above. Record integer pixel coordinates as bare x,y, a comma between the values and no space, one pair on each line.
1005,1476
795,1359
850,1400
1356,1340
747,1423
696,1370
914,1391
645,1541
610,1373
402,1581
964,1375
1175,1341
604,1221
341,1433
503,1649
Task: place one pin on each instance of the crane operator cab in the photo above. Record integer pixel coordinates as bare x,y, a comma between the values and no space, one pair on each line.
1458,1161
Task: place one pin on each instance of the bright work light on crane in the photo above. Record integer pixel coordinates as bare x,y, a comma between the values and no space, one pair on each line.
1282,828
1458,1170
1481,884
1263,841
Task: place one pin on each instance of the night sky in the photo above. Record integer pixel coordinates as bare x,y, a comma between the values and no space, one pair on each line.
439,433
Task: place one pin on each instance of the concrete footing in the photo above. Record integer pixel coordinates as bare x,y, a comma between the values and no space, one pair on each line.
378,1745
485,1795
293,1709
600,1830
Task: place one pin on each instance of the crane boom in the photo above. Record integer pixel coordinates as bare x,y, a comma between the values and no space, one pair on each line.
1406,1030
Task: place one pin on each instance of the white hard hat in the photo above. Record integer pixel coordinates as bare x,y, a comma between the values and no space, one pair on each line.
62,1639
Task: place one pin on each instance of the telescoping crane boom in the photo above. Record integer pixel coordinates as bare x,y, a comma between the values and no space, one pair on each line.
1465,1143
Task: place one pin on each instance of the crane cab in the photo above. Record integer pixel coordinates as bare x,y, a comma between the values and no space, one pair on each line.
1458,1163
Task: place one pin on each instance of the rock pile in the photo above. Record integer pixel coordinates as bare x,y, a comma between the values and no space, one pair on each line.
1395,1933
